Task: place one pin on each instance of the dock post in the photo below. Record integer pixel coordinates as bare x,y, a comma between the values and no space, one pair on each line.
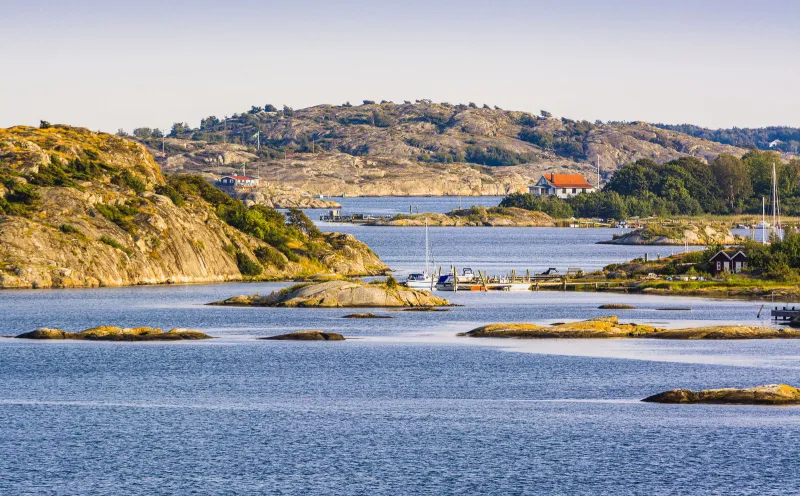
455,280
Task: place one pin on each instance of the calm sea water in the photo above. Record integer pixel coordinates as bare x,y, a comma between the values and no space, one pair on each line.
406,408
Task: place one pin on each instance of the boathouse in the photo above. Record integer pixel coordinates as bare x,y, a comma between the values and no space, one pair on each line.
561,185
728,261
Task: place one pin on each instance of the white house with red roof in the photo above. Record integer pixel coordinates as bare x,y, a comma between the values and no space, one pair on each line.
561,185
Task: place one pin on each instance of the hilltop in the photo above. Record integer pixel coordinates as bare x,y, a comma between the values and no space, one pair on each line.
420,148
79,208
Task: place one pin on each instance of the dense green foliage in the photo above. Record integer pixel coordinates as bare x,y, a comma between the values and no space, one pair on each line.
778,260
686,186
259,221
788,137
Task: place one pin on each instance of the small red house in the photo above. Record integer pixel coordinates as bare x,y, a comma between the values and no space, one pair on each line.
728,261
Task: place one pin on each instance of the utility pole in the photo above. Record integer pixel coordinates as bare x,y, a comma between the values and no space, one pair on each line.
598,172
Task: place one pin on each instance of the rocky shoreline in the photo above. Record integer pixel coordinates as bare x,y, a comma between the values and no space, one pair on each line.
473,217
112,333
610,327
333,294
692,234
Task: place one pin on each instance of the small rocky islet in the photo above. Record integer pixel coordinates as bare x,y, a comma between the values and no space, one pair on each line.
112,333
337,294
610,327
772,394
310,335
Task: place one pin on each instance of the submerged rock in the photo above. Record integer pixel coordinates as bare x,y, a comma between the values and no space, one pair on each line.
366,316
308,336
339,294
616,306
112,333
773,394
609,327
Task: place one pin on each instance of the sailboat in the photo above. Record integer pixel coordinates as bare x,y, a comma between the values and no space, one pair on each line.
423,280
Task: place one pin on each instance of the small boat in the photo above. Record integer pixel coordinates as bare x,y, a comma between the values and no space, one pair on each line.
425,279
419,281
465,281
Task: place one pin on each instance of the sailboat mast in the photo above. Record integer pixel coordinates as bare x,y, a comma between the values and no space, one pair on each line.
427,250
763,222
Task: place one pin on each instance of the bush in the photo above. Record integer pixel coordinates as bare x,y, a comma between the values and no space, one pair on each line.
391,282
247,266
128,179
271,256
116,244
68,229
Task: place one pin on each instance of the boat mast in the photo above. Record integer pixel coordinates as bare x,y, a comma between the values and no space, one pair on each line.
763,222
427,250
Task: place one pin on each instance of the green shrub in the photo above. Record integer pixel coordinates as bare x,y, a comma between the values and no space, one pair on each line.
247,266
116,244
391,282
270,256
121,215
170,192
128,179
69,229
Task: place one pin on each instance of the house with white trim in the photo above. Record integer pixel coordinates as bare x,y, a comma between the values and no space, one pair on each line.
561,185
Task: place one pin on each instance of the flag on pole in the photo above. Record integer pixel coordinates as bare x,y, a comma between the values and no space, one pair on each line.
258,133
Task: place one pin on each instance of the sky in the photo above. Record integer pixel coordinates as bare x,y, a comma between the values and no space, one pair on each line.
148,63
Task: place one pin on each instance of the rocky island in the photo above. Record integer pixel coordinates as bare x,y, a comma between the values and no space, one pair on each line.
339,294
692,234
85,209
112,333
312,335
773,394
610,327
475,216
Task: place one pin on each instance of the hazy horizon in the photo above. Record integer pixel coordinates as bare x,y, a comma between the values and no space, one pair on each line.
109,65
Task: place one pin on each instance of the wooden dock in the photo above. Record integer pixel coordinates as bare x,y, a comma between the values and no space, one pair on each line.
785,313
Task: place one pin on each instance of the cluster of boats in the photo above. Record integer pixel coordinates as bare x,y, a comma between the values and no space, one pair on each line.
468,280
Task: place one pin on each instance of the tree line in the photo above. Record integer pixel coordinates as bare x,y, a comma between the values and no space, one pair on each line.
686,186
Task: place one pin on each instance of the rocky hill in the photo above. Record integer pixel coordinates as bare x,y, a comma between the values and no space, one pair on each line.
79,208
420,148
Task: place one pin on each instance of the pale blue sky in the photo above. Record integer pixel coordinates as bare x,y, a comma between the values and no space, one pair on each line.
107,64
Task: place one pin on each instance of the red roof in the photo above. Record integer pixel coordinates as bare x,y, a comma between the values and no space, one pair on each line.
567,180
241,178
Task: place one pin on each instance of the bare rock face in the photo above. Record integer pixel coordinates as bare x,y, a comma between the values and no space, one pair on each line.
340,294
308,336
110,227
773,394
111,333
275,197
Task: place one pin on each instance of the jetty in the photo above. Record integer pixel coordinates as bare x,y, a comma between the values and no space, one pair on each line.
785,313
